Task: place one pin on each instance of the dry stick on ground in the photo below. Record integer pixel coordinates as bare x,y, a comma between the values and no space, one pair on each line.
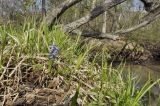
10,60
4,98
6,68
87,85
90,94
19,64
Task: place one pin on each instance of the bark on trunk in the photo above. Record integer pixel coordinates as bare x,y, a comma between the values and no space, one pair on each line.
104,26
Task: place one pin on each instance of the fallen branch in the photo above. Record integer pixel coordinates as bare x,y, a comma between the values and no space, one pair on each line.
71,27
97,35
149,18
92,15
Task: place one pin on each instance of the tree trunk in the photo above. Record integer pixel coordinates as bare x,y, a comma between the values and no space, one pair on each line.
104,26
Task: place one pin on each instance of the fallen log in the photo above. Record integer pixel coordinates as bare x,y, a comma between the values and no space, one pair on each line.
119,49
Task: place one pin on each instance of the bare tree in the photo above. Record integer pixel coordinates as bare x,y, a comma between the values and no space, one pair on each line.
95,12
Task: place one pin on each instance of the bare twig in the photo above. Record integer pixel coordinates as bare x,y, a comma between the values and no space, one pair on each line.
10,59
87,85
19,64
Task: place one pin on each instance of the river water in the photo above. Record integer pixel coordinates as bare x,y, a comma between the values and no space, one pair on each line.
144,72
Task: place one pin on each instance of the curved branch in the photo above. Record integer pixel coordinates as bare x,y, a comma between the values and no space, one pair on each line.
58,11
149,18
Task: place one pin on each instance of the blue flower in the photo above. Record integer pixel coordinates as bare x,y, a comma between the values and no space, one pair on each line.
53,51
